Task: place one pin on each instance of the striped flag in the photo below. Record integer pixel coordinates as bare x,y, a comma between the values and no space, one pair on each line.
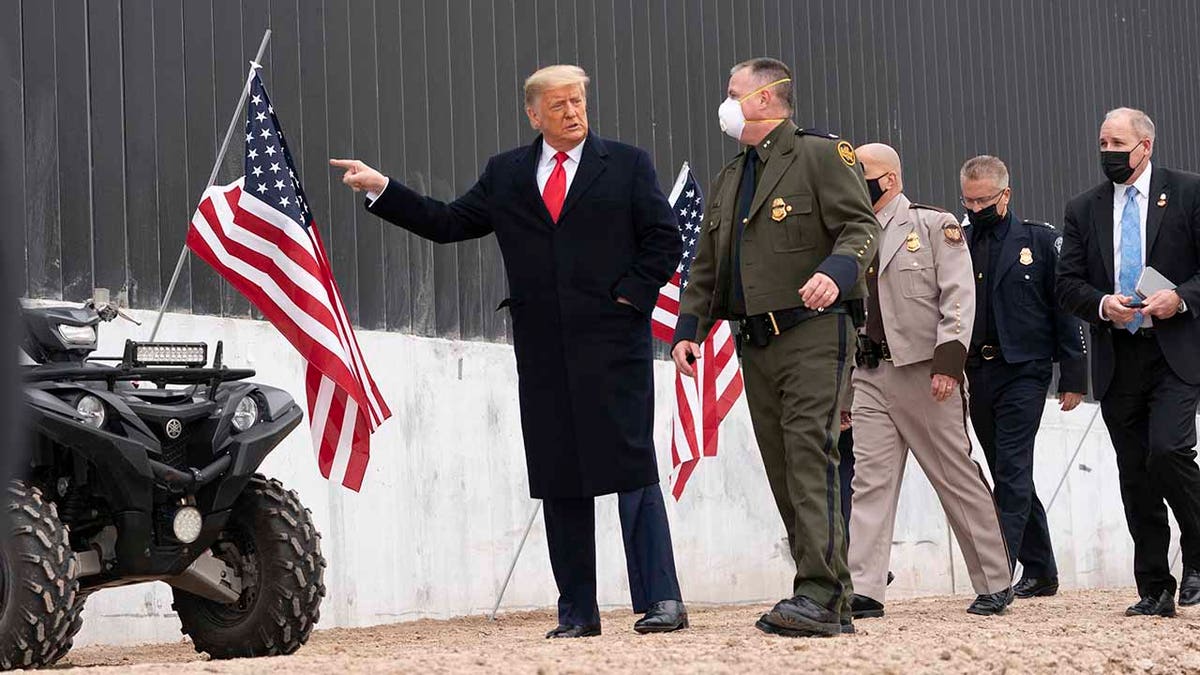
701,402
258,233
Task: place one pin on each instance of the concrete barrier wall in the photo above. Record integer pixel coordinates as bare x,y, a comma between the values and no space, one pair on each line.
445,499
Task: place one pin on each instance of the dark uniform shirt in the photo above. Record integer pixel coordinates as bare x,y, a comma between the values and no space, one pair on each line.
750,179
985,254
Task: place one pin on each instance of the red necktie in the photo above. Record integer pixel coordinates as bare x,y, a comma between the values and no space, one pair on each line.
556,187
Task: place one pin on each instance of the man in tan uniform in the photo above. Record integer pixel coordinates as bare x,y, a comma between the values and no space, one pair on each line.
908,393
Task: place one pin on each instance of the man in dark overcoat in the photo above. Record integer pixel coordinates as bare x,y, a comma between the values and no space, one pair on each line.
588,239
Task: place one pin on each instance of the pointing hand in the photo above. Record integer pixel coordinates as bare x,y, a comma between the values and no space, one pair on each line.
360,176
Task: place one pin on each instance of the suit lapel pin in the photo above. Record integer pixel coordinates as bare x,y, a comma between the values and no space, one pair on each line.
912,242
1162,200
1026,256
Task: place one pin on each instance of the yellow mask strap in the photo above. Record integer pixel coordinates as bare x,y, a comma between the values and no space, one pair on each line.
765,86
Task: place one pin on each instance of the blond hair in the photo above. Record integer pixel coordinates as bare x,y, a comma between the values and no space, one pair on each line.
552,77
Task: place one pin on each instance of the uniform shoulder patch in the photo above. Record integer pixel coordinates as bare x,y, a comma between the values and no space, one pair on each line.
953,234
1058,245
846,152
927,207
816,132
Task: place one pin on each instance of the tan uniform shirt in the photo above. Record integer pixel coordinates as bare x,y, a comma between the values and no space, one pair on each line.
926,290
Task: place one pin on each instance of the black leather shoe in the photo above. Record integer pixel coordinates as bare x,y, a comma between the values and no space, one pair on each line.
1189,588
564,631
800,616
992,603
664,616
1033,587
1162,604
862,607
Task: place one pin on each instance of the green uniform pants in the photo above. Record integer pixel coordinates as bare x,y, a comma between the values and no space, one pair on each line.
792,387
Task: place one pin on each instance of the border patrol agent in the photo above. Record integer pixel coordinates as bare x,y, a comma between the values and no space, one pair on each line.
908,393
1019,331
782,254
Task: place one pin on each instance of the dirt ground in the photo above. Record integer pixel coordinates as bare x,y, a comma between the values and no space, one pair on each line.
1082,631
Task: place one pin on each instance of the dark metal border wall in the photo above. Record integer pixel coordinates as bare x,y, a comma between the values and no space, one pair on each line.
111,110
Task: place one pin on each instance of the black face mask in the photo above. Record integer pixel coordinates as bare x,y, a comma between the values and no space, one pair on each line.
1115,164
985,217
874,190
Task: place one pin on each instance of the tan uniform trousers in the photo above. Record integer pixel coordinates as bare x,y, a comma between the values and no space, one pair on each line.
894,411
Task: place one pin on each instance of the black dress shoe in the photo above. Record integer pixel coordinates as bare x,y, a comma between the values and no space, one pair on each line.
1033,587
565,631
664,616
862,607
1162,604
800,616
1189,588
992,603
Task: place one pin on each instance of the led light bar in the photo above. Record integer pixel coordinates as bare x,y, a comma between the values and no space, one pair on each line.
189,354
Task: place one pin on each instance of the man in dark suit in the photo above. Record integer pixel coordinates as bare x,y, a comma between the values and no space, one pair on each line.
1020,331
1145,360
588,239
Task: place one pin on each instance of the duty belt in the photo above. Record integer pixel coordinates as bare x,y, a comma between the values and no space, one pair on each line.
870,353
758,330
984,353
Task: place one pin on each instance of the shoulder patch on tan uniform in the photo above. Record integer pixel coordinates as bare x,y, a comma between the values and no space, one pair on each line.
846,152
953,234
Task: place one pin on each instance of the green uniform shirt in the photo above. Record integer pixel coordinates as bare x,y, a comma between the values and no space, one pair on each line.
810,214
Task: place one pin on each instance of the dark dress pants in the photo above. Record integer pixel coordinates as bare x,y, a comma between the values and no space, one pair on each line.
1006,403
846,473
1150,414
571,537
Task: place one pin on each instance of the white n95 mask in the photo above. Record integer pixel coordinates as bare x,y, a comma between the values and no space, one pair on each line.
733,120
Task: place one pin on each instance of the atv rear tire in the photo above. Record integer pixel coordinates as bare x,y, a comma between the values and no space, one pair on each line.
40,600
271,542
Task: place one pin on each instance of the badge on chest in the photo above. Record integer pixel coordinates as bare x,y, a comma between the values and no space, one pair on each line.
1026,256
912,242
779,209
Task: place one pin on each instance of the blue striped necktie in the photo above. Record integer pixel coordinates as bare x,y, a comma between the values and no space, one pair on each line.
1131,253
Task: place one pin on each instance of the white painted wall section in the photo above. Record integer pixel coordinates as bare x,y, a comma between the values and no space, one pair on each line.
445,498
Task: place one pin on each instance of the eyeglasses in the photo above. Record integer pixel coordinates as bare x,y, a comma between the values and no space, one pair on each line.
980,203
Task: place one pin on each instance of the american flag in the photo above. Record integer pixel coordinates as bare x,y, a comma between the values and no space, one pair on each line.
258,233
700,403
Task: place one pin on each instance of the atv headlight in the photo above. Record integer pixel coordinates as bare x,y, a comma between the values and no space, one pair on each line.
187,524
245,414
77,335
92,410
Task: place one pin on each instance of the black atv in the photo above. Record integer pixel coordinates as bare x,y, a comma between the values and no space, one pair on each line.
144,470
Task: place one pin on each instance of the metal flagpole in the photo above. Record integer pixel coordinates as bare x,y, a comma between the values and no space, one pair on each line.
1071,462
516,557
237,114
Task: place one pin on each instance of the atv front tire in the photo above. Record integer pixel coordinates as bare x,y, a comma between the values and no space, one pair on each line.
40,600
272,544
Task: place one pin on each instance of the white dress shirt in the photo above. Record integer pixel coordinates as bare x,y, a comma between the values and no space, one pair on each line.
1143,202
1142,185
545,167
546,164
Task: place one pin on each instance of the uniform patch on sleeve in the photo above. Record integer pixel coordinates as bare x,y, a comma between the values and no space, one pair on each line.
953,234
1058,245
846,152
